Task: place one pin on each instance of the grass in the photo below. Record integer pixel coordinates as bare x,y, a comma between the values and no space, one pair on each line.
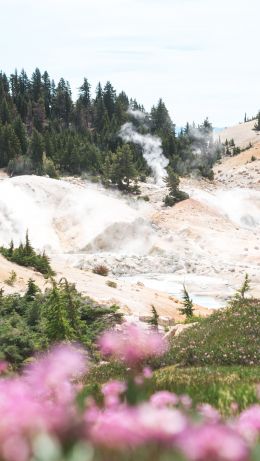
217,361
219,386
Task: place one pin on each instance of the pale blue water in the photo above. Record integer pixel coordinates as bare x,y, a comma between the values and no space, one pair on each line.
172,284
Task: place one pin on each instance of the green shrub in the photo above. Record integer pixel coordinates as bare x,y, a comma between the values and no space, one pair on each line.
33,322
230,336
25,255
49,168
20,165
11,279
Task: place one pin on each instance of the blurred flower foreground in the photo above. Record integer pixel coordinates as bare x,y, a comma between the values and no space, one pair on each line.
47,415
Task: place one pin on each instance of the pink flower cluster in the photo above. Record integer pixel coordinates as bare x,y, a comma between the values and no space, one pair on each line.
41,402
133,344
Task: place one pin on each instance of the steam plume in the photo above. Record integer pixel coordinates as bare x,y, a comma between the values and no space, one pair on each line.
152,150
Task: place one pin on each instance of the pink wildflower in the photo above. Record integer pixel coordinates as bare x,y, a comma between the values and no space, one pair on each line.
133,344
147,373
51,374
208,412
112,390
249,423
124,427
214,443
116,428
3,366
164,398
160,424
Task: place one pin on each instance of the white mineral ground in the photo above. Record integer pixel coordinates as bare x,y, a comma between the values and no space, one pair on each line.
207,242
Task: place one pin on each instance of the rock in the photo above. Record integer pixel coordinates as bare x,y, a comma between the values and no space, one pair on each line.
179,328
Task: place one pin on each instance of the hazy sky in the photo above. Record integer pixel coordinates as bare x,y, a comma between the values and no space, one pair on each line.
200,56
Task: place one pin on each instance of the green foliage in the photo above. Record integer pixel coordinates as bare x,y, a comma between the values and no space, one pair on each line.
122,169
25,255
11,279
221,387
43,131
20,165
229,336
187,308
240,296
36,149
257,124
175,195
154,321
36,320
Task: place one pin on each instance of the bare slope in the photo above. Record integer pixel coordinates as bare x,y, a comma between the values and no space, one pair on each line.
133,299
243,134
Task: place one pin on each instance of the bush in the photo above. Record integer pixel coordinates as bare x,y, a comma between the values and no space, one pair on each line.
20,165
145,198
12,279
49,168
33,322
101,269
26,256
179,196
230,336
111,284
253,158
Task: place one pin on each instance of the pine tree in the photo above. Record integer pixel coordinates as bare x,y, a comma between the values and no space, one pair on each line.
9,145
46,90
20,132
72,303
245,287
257,124
154,321
187,308
36,148
175,195
5,113
32,290
123,170
239,298
38,115
160,119
56,323
84,94
36,85
62,104
28,249
109,98
11,248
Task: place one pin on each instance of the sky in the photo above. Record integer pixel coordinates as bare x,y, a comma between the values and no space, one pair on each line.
200,56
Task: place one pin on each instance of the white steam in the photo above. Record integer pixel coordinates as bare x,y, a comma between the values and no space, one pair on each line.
240,206
138,114
63,217
152,150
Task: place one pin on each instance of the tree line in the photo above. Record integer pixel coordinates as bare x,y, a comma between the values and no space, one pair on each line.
43,131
